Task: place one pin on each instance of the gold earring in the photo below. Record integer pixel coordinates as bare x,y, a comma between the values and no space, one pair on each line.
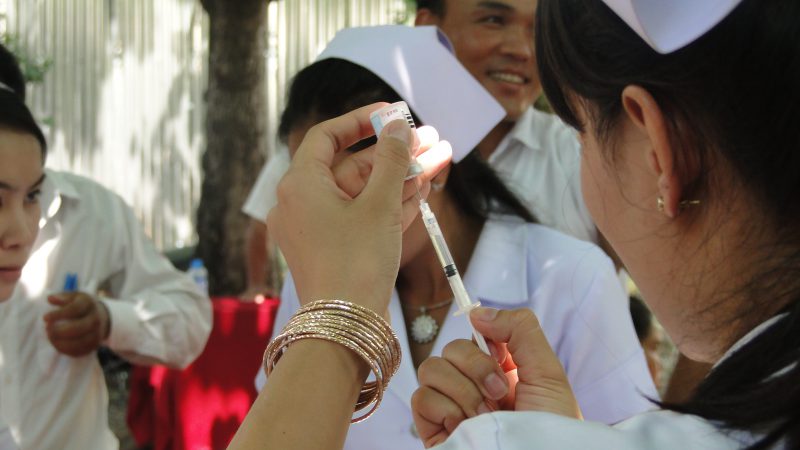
682,205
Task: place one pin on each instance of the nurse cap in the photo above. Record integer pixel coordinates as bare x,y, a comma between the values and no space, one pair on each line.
668,25
418,63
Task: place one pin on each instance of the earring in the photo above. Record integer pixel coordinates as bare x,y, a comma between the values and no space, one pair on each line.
682,205
437,186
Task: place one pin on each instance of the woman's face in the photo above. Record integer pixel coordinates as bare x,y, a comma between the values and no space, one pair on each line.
21,176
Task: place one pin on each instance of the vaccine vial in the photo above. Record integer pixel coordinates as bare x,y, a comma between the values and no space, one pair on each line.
398,110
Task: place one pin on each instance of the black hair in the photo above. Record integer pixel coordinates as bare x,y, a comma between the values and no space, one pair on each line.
14,114
437,7
641,316
331,87
732,96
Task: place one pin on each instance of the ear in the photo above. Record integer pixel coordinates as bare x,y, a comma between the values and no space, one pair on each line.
426,17
645,114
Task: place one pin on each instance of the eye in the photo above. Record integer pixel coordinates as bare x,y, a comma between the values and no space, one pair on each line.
493,19
33,196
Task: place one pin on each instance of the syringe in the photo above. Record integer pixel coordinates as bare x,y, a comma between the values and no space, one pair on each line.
465,305
379,119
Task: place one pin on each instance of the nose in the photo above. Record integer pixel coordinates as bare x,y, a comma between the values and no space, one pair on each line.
518,43
18,230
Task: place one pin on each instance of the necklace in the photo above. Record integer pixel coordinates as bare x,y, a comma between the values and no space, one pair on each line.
424,327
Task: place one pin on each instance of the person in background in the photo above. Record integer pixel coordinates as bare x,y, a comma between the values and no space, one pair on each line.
23,151
262,277
650,336
506,260
696,193
54,393
534,152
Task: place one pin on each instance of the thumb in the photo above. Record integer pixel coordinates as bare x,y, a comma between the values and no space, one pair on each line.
526,341
392,158
542,383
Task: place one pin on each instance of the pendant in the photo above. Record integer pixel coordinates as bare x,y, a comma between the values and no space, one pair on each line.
424,329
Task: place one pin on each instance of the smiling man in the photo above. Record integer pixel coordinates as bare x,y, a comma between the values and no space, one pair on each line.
534,152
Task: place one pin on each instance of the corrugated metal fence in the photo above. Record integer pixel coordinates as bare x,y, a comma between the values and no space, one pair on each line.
124,94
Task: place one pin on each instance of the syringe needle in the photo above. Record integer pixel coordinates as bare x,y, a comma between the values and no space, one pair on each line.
416,185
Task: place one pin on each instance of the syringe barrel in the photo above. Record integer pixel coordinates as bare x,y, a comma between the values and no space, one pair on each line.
437,238
465,304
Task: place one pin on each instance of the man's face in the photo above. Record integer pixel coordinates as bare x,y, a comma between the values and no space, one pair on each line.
493,39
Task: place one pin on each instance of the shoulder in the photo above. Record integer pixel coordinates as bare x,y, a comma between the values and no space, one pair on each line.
514,260
546,248
90,196
548,132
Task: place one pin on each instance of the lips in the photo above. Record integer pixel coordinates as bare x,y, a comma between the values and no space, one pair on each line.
508,77
10,274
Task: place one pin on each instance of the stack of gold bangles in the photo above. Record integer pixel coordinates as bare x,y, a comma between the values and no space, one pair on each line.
350,325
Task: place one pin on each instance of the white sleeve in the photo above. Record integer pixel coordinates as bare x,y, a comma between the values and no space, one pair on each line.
157,313
262,196
289,305
602,355
660,430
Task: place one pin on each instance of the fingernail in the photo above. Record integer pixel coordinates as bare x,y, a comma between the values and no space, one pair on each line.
399,129
483,408
484,314
495,386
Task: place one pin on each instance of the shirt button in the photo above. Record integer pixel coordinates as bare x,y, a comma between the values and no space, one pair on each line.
414,430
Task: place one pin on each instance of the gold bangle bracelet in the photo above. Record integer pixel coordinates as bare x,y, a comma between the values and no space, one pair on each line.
353,326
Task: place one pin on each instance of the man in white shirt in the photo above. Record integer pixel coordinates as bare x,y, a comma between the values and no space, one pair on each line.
533,152
125,295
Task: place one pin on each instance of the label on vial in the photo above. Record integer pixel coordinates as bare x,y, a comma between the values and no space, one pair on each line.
397,110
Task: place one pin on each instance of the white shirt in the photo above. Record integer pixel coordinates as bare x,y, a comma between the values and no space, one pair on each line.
50,400
262,196
572,287
539,160
655,430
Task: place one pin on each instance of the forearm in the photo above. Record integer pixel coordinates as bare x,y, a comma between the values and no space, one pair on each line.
308,400
258,262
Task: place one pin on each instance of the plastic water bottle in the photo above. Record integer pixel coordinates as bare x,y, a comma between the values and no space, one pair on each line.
197,271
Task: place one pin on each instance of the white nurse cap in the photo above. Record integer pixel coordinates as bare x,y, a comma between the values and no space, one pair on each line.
418,63
668,25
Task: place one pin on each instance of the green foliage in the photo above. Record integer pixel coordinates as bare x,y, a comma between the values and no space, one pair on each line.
33,68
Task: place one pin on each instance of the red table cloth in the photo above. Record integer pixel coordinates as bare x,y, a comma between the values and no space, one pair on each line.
202,406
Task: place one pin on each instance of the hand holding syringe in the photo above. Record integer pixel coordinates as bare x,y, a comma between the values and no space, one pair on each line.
380,118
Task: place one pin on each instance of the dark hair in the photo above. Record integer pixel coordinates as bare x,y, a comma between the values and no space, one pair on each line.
14,114
641,316
331,87
733,95
437,7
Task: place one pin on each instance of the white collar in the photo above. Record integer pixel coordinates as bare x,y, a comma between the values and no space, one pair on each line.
752,334
55,189
528,130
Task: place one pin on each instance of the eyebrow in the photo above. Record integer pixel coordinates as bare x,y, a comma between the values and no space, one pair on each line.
8,187
495,5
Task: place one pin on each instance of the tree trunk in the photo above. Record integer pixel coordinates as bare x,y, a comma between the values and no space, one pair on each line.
235,136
